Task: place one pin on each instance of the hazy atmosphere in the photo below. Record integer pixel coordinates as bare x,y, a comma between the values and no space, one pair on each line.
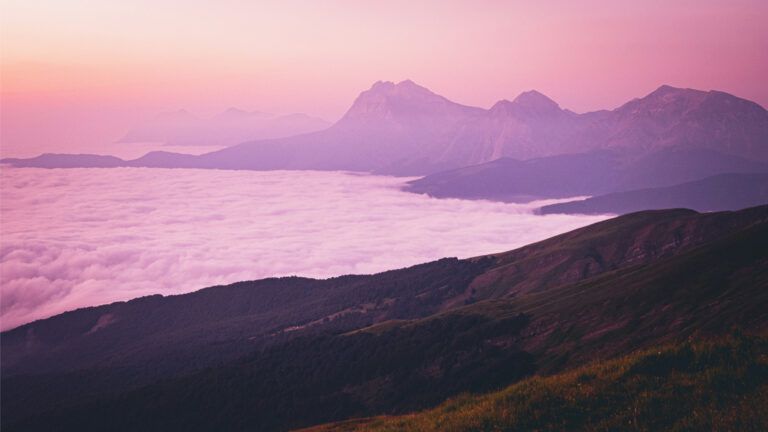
383,216
76,75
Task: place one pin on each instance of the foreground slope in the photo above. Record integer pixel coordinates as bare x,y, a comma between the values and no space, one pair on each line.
694,385
242,316
159,335
605,290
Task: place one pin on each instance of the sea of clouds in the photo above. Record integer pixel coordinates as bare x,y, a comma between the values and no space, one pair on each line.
79,237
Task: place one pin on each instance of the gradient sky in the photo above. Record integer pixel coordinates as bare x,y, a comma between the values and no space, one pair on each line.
76,74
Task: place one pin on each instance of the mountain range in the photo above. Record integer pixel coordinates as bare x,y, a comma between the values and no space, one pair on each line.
405,129
521,150
233,126
284,353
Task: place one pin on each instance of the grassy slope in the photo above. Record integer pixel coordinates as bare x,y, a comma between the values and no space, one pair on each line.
169,332
164,335
638,238
632,302
691,386
406,365
707,290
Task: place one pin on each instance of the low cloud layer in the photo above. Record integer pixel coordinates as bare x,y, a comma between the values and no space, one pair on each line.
81,237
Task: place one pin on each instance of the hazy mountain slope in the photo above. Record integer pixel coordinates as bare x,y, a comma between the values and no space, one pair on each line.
688,118
593,173
660,276
718,193
675,166
56,160
532,125
233,126
393,128
521,181
695,385
405,129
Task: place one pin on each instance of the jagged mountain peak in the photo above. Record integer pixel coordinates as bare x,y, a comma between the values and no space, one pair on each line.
666,91
387,100
529,103
667,99
535,99
403,89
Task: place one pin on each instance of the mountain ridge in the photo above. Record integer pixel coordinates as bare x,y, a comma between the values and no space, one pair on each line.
731,191
582,174
415,336
405,129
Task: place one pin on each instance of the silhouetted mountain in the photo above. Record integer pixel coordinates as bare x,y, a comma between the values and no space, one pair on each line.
309,354
405,104
233,126
56,160
718,193
593,173
521,181
405,129
390,128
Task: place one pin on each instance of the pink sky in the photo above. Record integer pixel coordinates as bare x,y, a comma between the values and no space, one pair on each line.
76,74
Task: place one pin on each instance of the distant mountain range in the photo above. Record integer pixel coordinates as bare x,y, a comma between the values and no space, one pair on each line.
233,126
285,353
405,129
519,150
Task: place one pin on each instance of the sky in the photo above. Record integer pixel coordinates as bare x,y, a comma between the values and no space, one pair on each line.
76,74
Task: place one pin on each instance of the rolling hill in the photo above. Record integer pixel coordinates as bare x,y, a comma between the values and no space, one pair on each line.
287,353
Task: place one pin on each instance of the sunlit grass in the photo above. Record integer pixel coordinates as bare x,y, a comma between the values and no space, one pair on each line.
693,386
